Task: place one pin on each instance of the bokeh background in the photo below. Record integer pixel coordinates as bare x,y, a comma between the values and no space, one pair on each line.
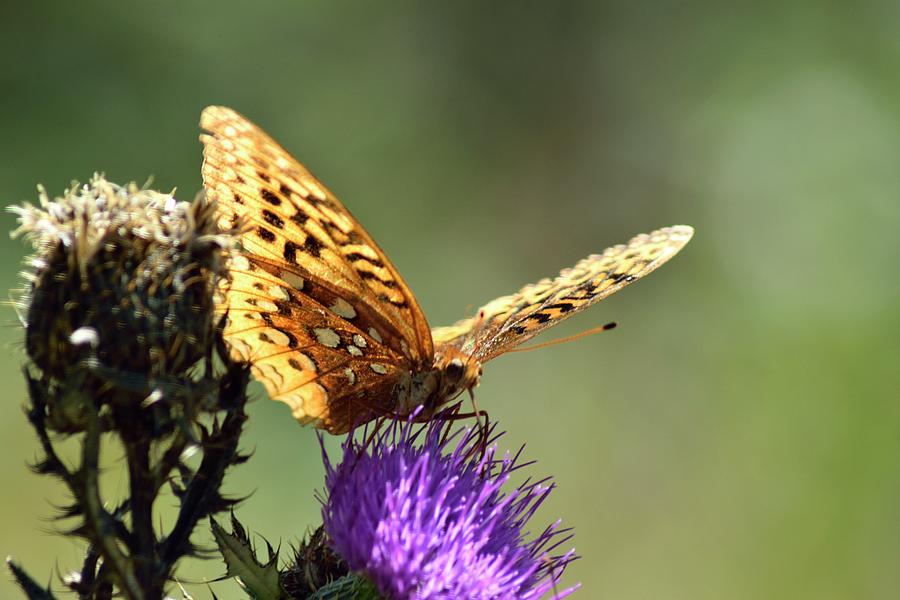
737,437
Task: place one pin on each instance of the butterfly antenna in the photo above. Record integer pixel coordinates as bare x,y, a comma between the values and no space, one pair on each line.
570,338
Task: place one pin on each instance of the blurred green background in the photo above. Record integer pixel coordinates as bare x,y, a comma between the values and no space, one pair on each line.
737,437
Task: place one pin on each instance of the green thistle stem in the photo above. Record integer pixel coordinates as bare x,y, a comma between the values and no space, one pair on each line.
96,518
123,341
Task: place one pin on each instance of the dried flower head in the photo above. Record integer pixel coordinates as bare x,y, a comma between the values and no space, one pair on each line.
425,518
123,278
124,343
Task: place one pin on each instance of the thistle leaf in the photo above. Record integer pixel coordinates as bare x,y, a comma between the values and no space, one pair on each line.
260,581
32,589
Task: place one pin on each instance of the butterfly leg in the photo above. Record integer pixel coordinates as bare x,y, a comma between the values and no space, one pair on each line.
484,427
482,438
370,437
478,413
553,578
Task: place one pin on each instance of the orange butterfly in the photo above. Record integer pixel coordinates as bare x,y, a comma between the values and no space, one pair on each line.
325,319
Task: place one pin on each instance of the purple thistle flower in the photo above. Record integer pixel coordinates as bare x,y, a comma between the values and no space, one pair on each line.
424,518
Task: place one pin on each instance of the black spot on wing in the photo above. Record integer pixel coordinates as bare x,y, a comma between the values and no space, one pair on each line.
620,277
313,246
265,234
357,257
561,306
290,252
334,232
269,197
355,238
300,217
398,303
273,219
292,339
537,318
284,308
388,283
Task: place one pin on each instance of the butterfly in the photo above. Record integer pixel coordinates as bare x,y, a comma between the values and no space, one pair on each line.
325,320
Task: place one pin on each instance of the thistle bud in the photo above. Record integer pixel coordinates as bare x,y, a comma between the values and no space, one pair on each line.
120,289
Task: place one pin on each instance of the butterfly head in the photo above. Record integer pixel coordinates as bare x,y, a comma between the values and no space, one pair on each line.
458,372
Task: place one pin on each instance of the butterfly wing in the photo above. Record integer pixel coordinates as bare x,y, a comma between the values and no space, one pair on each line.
324,317
510,320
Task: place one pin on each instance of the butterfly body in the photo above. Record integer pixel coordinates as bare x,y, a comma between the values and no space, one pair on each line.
452,373
324,318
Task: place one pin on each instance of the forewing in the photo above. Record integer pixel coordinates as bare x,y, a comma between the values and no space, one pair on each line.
295,224
324,318
510,320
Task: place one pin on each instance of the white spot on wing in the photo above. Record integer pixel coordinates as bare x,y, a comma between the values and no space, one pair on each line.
378,368
327,337
278,292
351,376
308,403
293,280
343,309
305,362
241,348
354,351
279,338
240,263
315,189
373,333
359,340
267,306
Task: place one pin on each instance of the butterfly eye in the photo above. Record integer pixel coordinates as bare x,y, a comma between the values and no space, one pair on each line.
454,370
